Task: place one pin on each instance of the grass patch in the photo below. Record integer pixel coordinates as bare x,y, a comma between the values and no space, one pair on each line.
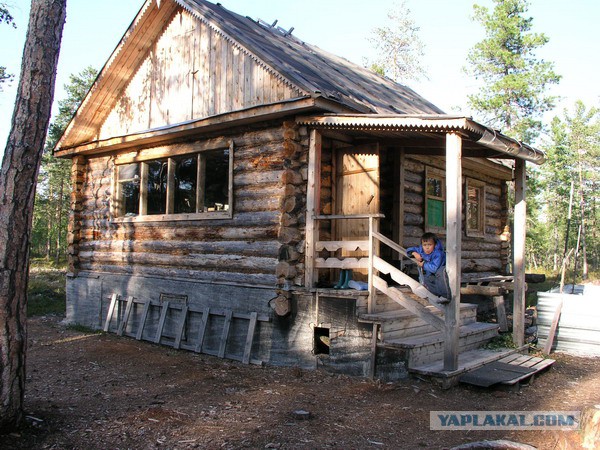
501,341
46,289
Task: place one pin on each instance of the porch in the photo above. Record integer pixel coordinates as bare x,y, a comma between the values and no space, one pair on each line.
446,333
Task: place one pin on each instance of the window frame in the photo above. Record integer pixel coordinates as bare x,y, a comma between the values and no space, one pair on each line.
143,157
432,172
481,186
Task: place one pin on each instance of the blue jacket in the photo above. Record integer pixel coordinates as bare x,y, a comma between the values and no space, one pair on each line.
433,261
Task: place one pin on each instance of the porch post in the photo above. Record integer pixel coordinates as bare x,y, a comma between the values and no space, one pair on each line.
313,190
453,246
519,253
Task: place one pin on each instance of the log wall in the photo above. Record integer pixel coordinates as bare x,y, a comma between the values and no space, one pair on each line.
261,245
192,72
479,254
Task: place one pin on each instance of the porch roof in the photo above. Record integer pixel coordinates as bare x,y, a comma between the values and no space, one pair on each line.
480,140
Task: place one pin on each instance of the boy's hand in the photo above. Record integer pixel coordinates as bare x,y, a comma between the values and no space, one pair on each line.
417,256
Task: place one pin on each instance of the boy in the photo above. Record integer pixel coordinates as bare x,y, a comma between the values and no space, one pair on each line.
431,258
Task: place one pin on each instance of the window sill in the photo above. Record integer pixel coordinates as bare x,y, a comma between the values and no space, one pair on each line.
216,215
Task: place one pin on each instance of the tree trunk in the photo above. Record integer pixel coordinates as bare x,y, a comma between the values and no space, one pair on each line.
20,166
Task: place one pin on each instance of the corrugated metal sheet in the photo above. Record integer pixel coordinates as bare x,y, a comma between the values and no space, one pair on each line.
578,329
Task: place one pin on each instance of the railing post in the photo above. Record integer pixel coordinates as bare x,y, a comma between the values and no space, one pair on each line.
373,227
313,192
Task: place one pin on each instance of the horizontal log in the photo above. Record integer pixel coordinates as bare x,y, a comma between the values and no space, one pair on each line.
477,245
247,279
272,203
490,291
247,264
256,178
413,219
412,198
413,177
412,231
481,265
413,187
480,254
413,208
267,248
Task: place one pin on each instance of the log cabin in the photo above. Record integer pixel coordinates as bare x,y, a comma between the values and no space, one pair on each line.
224,174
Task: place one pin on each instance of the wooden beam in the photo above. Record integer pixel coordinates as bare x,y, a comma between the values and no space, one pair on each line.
489,291
166,134
453,247
312,206
519,253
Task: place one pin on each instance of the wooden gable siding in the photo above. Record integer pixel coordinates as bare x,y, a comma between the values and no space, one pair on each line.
192,72
243,250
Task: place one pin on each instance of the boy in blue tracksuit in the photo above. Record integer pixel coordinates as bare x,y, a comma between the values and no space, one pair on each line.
431,258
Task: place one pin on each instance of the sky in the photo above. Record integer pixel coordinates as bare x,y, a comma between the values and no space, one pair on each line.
343,27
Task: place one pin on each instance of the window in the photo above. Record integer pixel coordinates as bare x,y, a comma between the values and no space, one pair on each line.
475,207
435,200
189,186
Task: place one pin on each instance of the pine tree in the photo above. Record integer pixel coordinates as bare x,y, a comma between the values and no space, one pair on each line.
399,48
20,166
7,18
515,83
574,156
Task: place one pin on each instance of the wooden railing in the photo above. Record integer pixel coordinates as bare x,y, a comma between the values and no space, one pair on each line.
375,265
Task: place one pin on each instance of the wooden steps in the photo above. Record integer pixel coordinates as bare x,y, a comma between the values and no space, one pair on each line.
402,323
429,347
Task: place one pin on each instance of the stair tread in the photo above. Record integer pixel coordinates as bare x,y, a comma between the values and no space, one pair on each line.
467,361
438,336
404,313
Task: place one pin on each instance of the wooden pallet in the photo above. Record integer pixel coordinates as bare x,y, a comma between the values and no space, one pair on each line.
207,314
509,370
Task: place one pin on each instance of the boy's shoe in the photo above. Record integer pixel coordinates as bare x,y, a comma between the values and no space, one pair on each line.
443,300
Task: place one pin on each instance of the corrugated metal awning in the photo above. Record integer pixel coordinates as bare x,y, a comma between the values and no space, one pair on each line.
401,123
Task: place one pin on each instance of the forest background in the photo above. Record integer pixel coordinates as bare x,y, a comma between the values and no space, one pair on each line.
570,136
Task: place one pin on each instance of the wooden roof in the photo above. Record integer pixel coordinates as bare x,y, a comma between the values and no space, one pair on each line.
334,83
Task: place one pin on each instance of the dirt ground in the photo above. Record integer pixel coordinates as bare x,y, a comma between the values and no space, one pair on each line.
100,391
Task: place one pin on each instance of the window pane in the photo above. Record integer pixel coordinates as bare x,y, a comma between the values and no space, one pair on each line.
157,187
130,198
473,208
186,183
129,171
435,213
129,189
216,197
435,187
